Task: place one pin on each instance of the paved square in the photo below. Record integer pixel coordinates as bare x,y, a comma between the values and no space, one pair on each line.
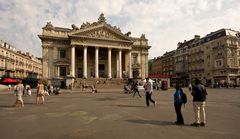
112,114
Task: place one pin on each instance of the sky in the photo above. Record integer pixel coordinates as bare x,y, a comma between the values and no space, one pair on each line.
164,22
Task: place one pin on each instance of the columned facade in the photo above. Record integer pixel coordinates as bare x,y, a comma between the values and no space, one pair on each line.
96,50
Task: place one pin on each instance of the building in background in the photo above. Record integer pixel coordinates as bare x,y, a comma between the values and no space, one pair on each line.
214,58
95,50
16,64
181,62
163,68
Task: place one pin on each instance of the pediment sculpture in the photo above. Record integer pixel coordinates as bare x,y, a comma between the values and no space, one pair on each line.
101,34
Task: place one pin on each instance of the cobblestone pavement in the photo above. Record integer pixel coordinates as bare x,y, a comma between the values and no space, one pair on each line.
112,114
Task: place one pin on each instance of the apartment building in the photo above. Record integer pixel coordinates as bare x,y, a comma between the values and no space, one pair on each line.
16,64
215,58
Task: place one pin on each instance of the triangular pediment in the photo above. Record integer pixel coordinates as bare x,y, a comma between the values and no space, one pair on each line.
103,31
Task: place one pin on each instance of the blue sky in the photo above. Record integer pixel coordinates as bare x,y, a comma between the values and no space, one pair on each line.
164,22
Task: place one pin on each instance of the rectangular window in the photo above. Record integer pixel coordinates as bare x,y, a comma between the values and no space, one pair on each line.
219,63
62,53
63,71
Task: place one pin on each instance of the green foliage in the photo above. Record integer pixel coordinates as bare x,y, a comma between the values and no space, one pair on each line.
45,82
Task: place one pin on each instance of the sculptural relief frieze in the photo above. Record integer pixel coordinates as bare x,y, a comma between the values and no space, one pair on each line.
101,34
55,42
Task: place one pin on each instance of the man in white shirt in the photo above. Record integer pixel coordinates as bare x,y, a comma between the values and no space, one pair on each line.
148,90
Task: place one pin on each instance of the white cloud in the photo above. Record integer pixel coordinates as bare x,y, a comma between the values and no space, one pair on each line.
165,22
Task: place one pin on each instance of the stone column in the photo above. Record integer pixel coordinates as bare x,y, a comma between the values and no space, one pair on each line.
130,64
117,64
57,71
45,61
120,63
109,63
146,67
85,62
96,62
73,61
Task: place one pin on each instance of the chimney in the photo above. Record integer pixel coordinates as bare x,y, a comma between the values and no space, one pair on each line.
196,37
27,53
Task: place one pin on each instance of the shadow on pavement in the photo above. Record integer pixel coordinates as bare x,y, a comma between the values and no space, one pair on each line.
7,106
130,105
152,122
29,103
105,99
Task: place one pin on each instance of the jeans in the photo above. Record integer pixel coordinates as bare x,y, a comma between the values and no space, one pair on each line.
136,91
178,107
148,98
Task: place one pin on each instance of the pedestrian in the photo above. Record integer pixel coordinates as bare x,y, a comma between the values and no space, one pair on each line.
28,89
19,88
9,87
178,104
199,94
148,92
135,89
40,92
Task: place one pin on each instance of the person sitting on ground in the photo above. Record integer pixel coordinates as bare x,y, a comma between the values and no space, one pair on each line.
94,90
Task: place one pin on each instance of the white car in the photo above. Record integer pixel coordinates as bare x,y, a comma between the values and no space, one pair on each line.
140,88
3,88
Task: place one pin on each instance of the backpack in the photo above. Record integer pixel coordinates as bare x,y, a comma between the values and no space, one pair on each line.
184,97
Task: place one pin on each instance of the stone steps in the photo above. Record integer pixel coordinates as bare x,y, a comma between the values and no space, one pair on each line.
101,83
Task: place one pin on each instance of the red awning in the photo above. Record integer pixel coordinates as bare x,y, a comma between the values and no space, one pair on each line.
9,81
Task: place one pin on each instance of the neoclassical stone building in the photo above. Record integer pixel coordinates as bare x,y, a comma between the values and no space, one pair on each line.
95,50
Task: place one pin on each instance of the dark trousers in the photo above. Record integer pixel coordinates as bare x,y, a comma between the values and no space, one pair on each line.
148,98
178,107
136,91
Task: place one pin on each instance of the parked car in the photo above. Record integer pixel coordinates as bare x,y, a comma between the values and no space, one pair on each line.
140,88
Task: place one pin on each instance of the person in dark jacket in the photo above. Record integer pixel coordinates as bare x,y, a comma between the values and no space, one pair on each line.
135,89
199,94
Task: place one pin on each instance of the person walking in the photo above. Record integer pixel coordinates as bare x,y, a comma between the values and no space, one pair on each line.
19,93
148,92
199,94
28,89
178,104
135,89
40,92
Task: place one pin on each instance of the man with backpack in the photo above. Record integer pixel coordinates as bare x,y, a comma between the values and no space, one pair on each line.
179,99
199,94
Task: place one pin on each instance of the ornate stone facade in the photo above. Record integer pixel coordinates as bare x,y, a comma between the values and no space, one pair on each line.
94,50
